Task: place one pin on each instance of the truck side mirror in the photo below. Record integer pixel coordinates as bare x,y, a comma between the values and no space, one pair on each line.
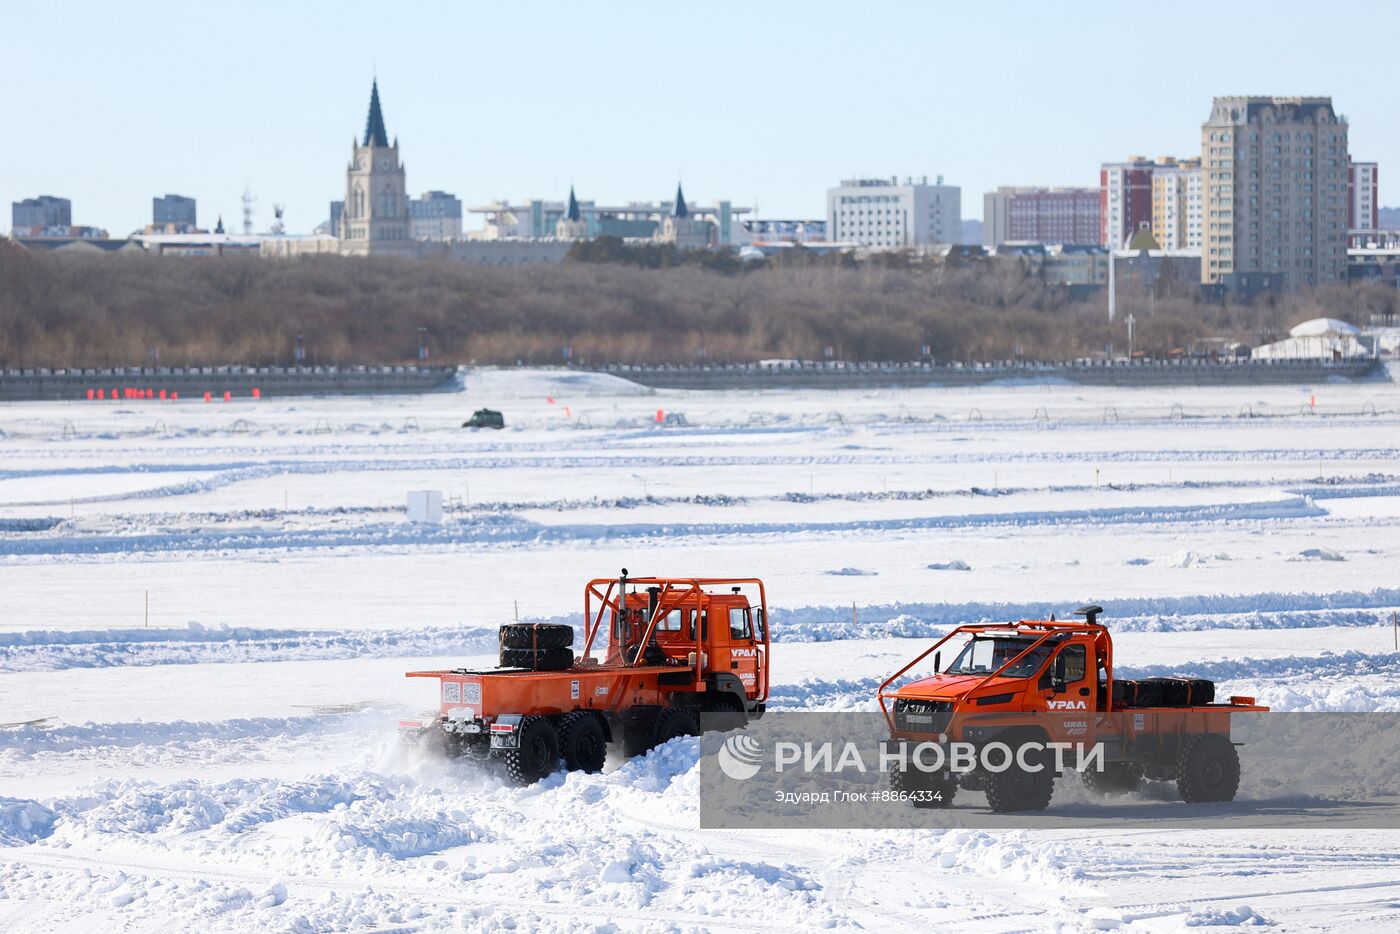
1057,675
937,662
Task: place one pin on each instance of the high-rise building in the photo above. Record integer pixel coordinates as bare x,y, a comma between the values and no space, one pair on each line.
1125,197
1176,205
876,212
1044,215
174,213
33,216
1363,196
375,219
1275,185
435,216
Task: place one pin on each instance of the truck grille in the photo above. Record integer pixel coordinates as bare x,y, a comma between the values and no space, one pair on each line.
921,716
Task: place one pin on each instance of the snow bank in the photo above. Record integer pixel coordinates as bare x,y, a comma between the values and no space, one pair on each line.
1196,612
487,383
1317,554
24,822
1225,917
1193,559
53,650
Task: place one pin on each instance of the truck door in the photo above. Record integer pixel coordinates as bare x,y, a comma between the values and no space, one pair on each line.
743,653
1067,683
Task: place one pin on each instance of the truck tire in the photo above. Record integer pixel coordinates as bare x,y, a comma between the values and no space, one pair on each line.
536,636
536,752
1016,789
724,712
582,742
669,723
941,790
1117,778
673,722
542,660
1207,768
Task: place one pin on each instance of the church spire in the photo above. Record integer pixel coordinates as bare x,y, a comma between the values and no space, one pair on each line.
375,134
573,213
680,210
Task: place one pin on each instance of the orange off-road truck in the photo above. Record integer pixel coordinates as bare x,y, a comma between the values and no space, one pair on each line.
1036,683
657,652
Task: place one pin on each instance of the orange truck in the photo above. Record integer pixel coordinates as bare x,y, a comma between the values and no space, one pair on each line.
1036,684
657,653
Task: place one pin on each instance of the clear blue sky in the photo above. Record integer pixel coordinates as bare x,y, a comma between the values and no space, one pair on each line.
111,103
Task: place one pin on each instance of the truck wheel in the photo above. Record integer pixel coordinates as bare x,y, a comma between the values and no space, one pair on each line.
1016,789
1207,768
1117,778
537,636
543,660
535,754
668,723
940,791
673,722
582,742
724,712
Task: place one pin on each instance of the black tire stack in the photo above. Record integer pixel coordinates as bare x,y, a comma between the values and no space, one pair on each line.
537,646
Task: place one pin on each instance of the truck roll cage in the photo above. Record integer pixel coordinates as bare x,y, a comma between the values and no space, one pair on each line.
672,593
1051,629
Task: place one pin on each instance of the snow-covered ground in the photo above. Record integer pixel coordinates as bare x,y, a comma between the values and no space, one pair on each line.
210,607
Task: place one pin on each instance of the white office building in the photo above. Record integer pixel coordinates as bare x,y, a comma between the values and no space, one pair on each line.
884,214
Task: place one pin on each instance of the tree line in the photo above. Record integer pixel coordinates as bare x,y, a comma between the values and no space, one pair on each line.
608,303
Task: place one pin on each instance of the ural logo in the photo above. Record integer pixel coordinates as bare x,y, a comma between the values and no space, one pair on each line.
1067,705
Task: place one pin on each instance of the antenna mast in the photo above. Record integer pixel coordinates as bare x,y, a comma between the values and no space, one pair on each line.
248,202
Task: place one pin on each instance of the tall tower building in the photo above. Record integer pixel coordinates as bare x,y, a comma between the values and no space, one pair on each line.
1176,205
685,231
1125,198
1274,174
572,226
1363,196
375,220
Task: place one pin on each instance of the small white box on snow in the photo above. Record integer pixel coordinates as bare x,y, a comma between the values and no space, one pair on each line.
425,506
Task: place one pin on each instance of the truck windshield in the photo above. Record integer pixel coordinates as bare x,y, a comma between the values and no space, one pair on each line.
982,655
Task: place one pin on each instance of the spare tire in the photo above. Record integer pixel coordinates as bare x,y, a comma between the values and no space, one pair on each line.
536,636
542,660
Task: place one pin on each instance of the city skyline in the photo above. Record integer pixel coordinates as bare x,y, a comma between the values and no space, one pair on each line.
772,105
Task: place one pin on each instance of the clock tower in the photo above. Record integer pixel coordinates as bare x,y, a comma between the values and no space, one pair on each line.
375,218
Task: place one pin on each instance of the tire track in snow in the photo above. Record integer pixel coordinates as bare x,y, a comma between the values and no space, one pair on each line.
506,529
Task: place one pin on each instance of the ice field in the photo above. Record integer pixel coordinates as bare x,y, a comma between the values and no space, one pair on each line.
210,607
